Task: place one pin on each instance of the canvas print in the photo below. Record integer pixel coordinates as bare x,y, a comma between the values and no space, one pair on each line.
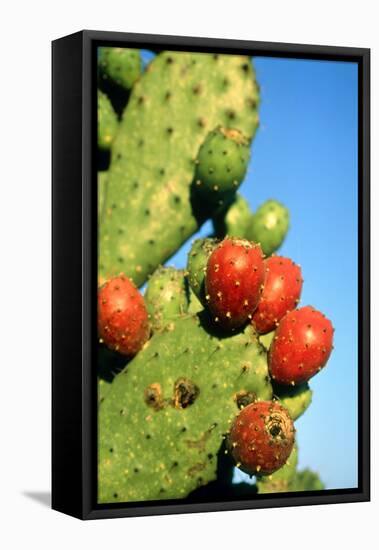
227,276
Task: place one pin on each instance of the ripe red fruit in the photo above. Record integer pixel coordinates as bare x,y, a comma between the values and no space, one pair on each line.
234,281
301,346
261,438
122,316
281,293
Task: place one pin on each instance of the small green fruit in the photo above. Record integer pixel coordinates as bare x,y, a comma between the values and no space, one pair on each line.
269,226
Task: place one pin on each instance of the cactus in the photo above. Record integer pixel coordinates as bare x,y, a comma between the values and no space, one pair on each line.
296,399
102,190
288,479
194,305
121,66
107,123
166,296
269,226
306,480
198,256
266,339
162,420
169,405
221,164
151,208
233,220
281,480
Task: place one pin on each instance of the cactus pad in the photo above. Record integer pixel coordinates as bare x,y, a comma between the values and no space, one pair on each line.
269,226
221,164
280,481
234,220
166,296
151,210
162,420
196,265
295,398
107,123
121,66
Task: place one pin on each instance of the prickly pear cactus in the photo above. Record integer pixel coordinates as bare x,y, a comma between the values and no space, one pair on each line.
175,143
163,418
194,306
151,206
296,399
269,226
280,481
266,339
221,164
166,297
101,192
306,480
288,479
198,256
107,123
122,66
234,220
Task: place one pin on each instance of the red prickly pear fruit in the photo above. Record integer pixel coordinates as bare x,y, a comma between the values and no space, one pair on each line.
281,293
123,323
234,281
261,438
301,346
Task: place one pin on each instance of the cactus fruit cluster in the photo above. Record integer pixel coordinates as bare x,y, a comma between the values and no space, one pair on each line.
205,368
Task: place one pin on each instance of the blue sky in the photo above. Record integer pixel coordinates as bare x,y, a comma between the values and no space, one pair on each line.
305,155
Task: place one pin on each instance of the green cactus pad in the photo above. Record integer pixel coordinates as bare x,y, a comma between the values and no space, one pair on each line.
107,123
266,339
101,193
295,398
166,296
306,480
234,220
195,306
269,226
151,210
102,390
280,481
162,421
196,265
122,66
109,364
221,164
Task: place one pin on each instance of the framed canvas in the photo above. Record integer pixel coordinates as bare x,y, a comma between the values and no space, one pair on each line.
210,275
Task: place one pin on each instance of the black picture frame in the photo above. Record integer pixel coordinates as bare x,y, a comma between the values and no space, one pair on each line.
74,253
